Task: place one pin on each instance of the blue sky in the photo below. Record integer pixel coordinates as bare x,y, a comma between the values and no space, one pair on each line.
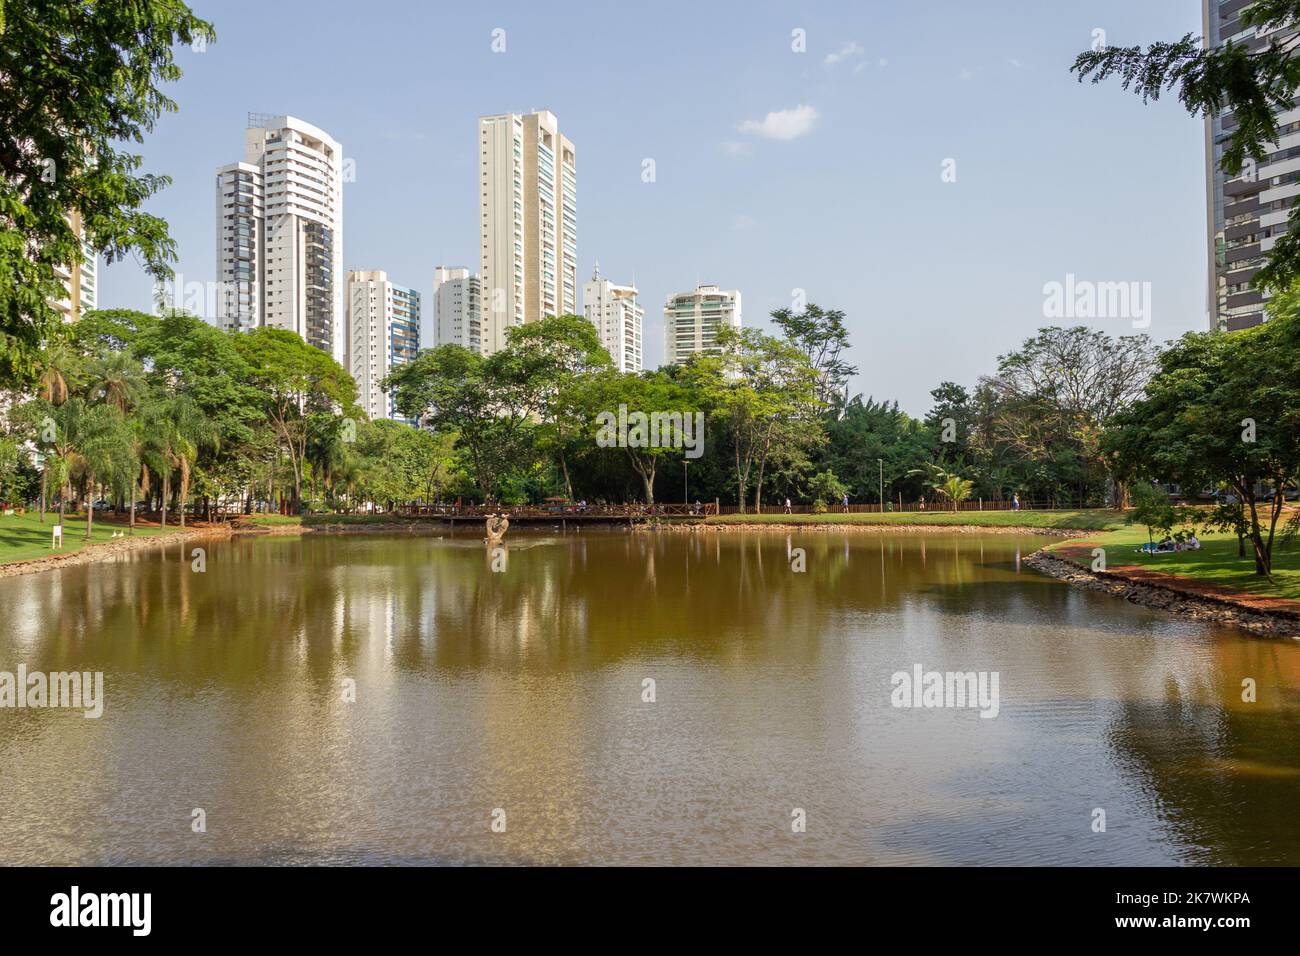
936,278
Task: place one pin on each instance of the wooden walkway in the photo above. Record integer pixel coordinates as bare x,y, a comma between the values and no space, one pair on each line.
602,514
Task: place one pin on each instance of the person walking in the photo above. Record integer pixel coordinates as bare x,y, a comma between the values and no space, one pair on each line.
844,503
787,505
1015,501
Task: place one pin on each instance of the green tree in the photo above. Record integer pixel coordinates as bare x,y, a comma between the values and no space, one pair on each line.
640,401
177,431
487,402
825,487
757,385
295,380
79,80
1223,408
821,336
871,440
9,466
1052,397
79,441
954,488
560,353
116,379
1254,86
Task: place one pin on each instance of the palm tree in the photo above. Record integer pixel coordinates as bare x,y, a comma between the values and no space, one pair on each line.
176,430
57,364
104,452
87,441
954,487
116,379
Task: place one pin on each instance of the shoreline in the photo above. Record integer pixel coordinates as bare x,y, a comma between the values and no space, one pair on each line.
106,550
878,528
1166,596
1171,598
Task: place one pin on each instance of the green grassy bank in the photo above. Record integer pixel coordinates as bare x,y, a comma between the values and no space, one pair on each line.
1099,520
23,537
1216,562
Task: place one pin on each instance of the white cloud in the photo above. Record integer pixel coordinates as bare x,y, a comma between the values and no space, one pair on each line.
742,222
849,49
966,76
735,148
783,124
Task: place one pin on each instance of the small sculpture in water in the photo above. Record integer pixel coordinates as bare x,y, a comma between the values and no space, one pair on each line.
497,525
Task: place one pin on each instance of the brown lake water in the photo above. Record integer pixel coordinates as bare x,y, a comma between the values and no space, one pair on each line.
522,690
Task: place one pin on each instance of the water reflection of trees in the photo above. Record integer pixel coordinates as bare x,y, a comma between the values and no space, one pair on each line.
1226,777
582,601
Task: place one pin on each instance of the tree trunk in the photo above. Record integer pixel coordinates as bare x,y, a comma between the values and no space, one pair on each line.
185,488
90,513
166,490
740,483
568,485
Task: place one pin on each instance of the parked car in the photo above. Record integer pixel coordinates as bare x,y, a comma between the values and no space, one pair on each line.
1220,497
1288,494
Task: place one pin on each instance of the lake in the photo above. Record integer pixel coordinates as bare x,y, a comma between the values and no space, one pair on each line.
627,698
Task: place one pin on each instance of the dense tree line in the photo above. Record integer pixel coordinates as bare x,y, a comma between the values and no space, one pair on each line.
170,413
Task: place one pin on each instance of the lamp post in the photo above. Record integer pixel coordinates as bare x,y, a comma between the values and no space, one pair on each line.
686,482
881,463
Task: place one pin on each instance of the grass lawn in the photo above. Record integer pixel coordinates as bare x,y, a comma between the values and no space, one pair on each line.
1216,562
23,536
1099,520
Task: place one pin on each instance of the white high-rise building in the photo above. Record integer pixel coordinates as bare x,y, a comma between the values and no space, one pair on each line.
280,233
617,316
79,279
383,333
457,309
692,321
528,255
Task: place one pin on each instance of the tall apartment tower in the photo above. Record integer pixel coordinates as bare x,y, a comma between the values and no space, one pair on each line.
78,278
1246,214
692,321
528,253
280,233
457,309
383,333
617,316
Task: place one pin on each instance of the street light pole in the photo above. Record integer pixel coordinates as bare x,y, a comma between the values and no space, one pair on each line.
881,462
686,481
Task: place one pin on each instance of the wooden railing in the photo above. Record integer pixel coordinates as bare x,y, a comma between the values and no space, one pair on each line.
560,510
703,509
893,507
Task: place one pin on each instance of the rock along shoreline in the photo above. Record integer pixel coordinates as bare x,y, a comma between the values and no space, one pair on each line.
1169,598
